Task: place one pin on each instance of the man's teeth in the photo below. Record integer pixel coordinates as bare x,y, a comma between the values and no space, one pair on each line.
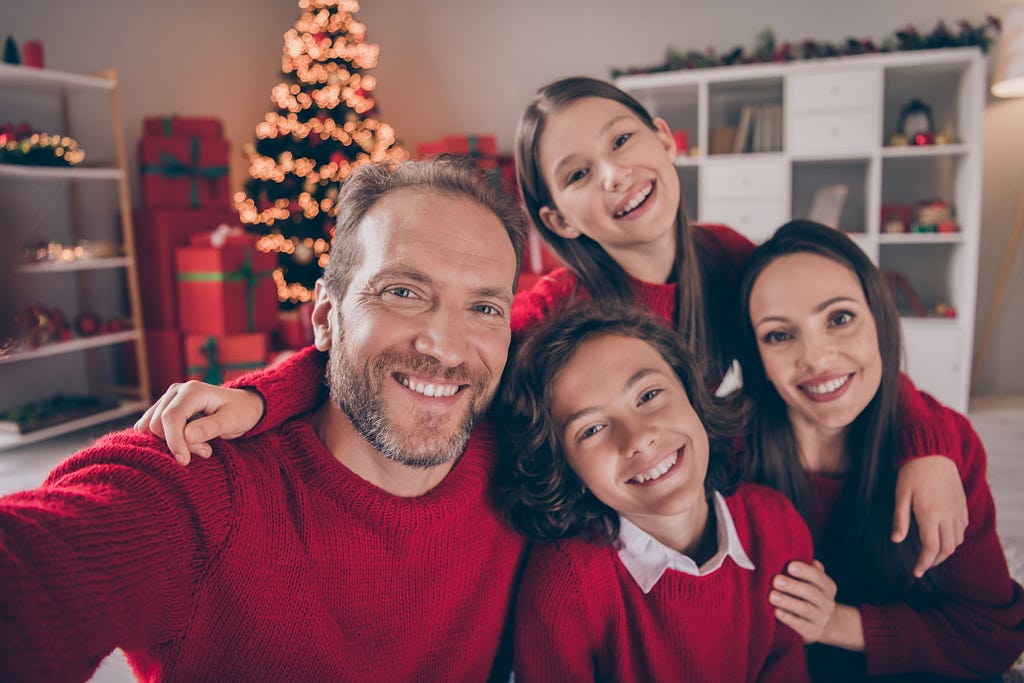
428,389
827,387
658,470
636,201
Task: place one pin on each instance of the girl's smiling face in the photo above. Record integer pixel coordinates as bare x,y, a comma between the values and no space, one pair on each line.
611,177
629,432
817,340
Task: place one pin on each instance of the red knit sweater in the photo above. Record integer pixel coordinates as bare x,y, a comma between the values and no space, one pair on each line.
270,561
975,625
582,617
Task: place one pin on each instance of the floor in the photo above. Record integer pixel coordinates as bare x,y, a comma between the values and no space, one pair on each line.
998,420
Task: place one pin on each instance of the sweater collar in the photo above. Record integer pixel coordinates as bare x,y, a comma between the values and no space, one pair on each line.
647,559
464,490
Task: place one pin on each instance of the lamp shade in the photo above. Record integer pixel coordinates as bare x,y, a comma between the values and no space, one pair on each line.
1008,77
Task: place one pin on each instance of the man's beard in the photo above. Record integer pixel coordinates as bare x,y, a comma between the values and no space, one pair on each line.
359,394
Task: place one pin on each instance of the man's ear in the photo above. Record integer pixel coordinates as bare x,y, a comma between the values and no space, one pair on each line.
555,222
664,133
322,305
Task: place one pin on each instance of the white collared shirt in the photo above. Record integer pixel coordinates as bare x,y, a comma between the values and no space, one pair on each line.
647,559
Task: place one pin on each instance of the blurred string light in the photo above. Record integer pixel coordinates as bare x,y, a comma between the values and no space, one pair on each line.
323,128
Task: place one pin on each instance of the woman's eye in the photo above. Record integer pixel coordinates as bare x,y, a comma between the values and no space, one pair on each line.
842,318
576,176
590,431
621,140
775,337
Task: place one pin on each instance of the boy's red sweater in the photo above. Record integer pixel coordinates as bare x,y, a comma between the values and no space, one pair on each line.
582,617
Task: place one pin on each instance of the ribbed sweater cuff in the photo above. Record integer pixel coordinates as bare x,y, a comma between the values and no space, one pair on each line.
886,644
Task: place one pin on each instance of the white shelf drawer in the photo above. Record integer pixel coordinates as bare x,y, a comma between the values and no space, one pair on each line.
756,220
933,352
745,179
837,132
833,90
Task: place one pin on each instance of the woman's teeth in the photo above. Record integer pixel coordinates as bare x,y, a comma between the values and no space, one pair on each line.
826,387
658,470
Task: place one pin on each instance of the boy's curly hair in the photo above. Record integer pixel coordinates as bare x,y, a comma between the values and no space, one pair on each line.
540,494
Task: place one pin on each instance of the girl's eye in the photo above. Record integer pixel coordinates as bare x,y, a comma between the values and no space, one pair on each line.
649,396
841,318
590,431
775,337
621,140
576,176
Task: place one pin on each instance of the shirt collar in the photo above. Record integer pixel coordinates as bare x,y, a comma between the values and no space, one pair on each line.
647,559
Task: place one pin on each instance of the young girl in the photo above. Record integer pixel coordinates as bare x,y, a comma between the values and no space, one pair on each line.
598,178
822,342
657,560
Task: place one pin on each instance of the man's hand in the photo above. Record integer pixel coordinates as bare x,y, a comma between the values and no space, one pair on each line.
189,415
804,599
931,489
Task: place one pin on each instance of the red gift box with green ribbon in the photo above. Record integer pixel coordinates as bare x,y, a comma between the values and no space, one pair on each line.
218,359
190,126
180,171
226,289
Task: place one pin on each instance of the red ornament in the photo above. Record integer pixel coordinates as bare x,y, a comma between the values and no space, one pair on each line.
88,325
927,138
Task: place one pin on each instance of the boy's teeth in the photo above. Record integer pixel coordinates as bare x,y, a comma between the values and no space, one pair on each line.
826,387
636,201
658,470
428,389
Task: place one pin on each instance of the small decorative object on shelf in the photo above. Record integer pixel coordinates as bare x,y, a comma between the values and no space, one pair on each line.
903,294
897,218
56,252
38,324
682,140
915,125
32,54
36,415
944,310
88,324
22,145
11,55
934,215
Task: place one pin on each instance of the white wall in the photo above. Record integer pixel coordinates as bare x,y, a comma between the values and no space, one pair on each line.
469,66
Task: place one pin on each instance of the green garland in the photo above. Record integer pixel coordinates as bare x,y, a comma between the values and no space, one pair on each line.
767,49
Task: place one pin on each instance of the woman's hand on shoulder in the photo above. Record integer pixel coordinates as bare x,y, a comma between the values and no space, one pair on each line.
804,599
930,488
189,415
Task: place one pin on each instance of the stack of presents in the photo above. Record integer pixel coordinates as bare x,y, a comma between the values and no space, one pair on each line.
208,295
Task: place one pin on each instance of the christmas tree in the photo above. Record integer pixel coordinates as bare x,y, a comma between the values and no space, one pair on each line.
324,126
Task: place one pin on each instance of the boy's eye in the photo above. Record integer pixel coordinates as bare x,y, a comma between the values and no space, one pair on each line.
648,396
621,140
775,337
576,176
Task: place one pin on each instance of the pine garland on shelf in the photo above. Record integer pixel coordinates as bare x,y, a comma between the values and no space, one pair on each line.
769,50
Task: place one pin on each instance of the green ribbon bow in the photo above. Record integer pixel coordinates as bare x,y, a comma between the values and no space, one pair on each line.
246,274
171,167
213,372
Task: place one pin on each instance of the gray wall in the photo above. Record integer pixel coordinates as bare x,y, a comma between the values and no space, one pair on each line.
469,66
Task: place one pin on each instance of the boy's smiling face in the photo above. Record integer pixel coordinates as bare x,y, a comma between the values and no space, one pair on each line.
629,432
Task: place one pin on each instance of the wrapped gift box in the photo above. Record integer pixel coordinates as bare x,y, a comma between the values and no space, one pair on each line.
226,289
157,233
184,171
218,359
164,359
188,126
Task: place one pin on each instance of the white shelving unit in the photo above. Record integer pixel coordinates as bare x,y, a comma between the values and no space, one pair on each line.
87,202
837,118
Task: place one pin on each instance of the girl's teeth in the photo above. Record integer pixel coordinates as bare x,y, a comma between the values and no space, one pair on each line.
636,201
658,470
431,390
827,387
